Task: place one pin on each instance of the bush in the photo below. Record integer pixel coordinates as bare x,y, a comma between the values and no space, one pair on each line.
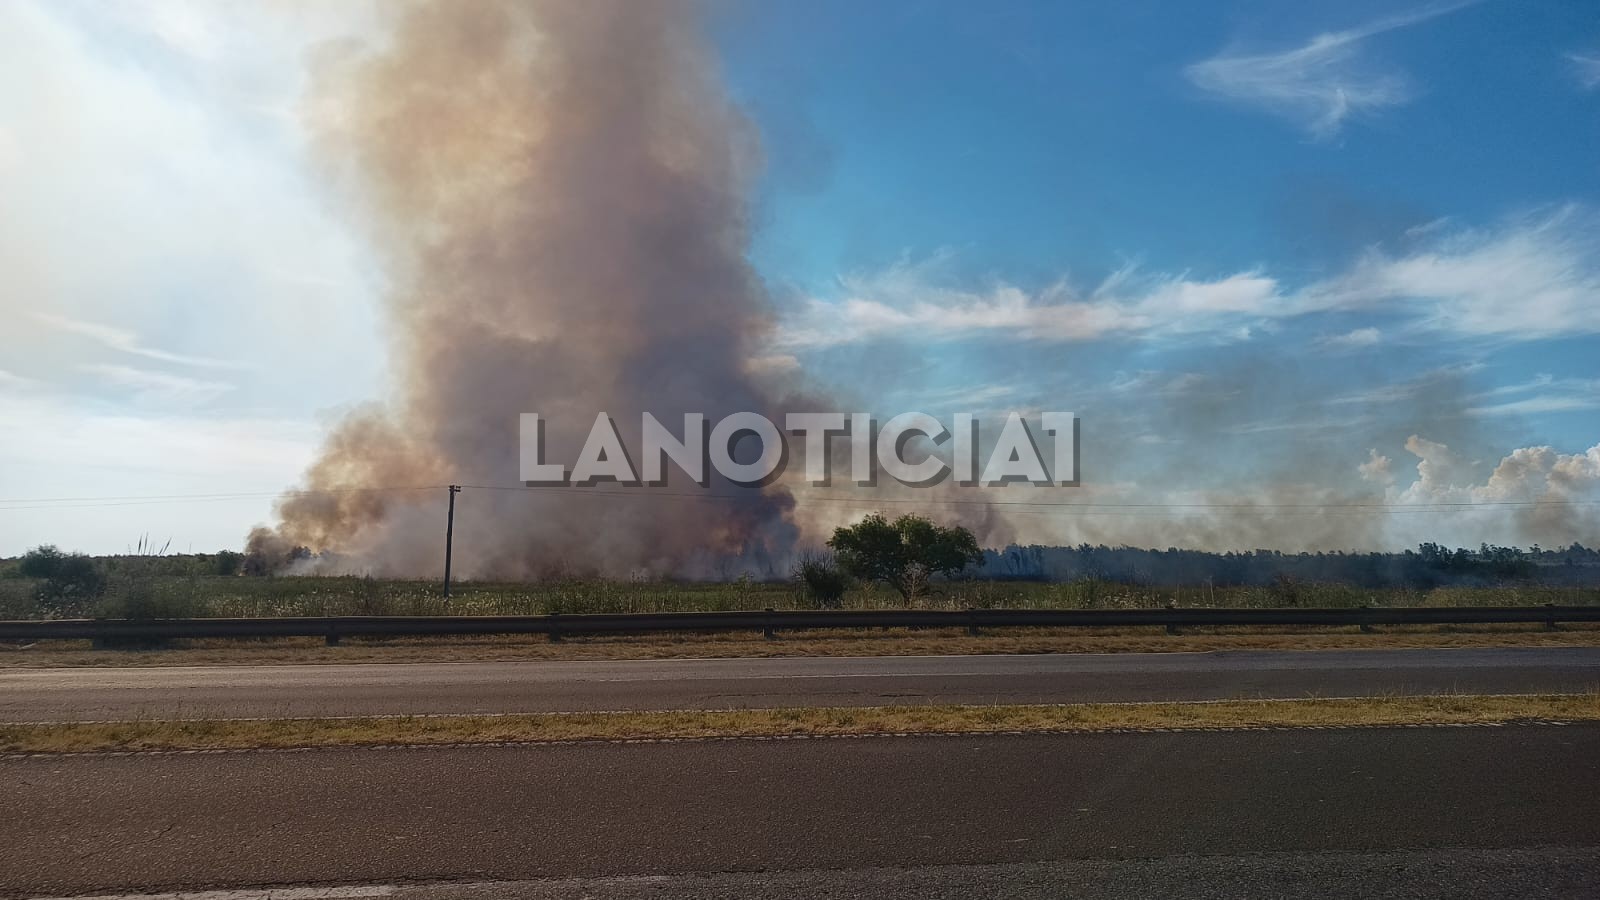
370,598
1284,591
820,577
139,597
70,581
18,599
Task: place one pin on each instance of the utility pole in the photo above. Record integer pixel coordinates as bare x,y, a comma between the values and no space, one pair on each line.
450,538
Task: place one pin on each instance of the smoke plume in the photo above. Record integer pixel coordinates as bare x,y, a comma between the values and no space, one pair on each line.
558,193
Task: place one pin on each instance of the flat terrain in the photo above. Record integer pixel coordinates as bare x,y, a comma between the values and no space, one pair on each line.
1507,811
855,642
93,694
1457,874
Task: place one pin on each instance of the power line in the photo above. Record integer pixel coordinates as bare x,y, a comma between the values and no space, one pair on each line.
99,502
1096,508
1037,507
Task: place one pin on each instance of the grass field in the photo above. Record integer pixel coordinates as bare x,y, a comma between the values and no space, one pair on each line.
859,642
246,734
317,596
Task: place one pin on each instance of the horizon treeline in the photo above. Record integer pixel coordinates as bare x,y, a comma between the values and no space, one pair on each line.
1429,565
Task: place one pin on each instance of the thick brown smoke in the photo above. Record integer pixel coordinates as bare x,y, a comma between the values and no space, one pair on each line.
558,192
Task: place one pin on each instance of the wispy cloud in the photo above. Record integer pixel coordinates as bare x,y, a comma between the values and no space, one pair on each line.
969,398
1533,277
1307,425
1319,84
1586,68
1150,383
1545,395
1443,379
1536,277
127,342
14,381
159,387
902,302
1544,404
1354,339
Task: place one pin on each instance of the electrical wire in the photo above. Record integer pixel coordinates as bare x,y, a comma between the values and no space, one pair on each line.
1020,506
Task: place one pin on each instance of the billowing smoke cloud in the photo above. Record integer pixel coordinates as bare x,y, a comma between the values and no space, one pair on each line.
1533,495
558,193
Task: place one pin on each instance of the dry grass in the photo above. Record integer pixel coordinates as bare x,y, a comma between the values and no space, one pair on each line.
422,731
876,642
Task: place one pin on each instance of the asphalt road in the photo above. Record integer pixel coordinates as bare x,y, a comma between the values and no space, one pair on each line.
28,695
1509,811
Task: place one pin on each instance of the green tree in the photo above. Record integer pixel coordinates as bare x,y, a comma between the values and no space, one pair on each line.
904,553
70,579
227,562
41,562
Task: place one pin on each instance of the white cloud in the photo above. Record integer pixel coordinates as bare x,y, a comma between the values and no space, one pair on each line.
160,200
14,381
1586,68
973,398
1532,495
1533,405
1149,383
159,388
1300,427
1378,469
1525,475
1534,277
127,342
902,303
1354,339
1546,395
1317,85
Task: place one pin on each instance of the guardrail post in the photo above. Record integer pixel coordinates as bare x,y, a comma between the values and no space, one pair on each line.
972,622
766,625
555,629
331,639
1172,628
1550,617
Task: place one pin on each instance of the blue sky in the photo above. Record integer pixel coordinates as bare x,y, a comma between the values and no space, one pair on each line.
1258,246
1051,137
1049,141
1423,151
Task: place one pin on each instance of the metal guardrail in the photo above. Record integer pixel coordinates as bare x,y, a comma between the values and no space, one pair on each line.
332,628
